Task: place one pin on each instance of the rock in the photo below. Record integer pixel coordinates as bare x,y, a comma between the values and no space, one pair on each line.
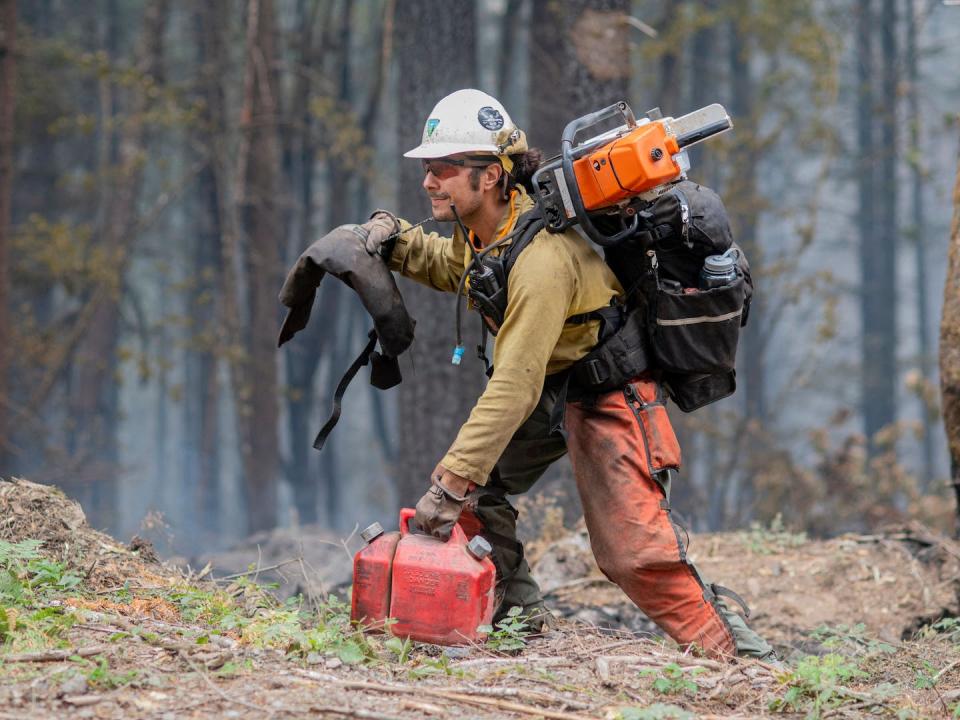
74,685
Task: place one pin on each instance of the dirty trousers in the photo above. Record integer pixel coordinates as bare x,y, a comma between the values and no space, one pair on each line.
620,444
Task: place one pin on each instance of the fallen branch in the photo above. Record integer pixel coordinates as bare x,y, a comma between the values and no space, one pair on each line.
366,714
445,695
256,571
55,655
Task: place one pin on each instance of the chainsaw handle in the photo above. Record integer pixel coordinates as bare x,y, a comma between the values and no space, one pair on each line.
574,126
569,154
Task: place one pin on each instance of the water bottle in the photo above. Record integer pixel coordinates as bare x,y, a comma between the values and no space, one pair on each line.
719,270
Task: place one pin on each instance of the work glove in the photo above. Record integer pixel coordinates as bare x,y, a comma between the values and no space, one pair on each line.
378,233
438,510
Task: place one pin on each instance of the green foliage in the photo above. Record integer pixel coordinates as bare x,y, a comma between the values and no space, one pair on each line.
761,540
657,711
851,640
52,574
672,679
400,647
210,607
926,677
100,676
510,634
11,554
817,684
949,627
36,630
436,666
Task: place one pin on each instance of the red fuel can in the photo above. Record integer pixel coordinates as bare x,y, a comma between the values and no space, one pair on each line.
372,571
441,591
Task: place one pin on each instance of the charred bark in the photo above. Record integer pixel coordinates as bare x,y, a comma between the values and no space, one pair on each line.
950,347
577,53
258,404
435,397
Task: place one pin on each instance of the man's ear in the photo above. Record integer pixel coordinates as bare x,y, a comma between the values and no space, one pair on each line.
491,175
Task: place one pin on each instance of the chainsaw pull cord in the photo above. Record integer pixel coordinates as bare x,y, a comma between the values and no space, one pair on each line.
476,259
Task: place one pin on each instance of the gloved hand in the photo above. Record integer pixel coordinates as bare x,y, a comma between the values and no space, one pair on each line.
439,508
378,229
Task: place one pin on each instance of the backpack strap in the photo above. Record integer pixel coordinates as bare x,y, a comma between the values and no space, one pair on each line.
526,229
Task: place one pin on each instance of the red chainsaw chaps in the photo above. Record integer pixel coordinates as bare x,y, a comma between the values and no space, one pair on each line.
615,445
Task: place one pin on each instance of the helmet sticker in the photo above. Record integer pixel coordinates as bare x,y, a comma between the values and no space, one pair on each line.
490,118
432,125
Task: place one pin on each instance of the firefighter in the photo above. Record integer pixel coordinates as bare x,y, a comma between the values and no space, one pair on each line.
622,448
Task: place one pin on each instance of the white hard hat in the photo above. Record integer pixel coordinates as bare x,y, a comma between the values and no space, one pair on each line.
468,121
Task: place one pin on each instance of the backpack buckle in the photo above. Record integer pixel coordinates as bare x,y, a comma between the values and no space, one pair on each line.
594,371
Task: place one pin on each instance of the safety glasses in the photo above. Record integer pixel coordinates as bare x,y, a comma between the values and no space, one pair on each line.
444,168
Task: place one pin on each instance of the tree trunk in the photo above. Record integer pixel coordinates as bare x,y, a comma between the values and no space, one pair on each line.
950,347
258,406
435,396
302,358
919,236
877,228
578,53
8,44
94,397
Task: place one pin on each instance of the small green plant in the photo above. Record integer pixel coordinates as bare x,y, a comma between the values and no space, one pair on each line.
672,679
762,540
51,574
657,711
436,666
510,633
926,677
400,647
231,668
817,684
853,640
950,627
101,676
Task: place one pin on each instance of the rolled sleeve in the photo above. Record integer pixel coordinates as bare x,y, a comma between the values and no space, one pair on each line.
428,258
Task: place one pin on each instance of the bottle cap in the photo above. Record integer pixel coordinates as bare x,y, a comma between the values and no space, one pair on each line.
372,533
479,547
718,264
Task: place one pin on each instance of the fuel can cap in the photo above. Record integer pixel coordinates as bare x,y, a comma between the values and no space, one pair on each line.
479,547
372,533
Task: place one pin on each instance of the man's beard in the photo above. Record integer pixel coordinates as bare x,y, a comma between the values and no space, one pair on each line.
444,213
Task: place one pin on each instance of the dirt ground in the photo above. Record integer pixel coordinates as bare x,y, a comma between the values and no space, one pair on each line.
140,638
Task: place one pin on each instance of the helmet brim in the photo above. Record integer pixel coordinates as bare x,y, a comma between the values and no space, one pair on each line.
441,150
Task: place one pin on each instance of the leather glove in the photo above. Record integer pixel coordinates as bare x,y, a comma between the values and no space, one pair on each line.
438,511
377,232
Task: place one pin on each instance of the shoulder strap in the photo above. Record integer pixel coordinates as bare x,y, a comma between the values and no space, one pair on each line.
527,227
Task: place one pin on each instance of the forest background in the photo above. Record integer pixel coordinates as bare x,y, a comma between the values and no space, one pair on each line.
163,162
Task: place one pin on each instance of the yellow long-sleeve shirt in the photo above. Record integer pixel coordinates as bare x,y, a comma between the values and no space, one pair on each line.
556,277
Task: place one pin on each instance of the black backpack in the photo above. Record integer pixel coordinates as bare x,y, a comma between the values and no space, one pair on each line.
692,332
688,335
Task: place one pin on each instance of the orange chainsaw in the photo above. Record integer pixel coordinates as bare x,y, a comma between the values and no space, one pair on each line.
617,172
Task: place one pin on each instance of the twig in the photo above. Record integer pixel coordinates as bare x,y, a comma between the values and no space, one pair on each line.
519,660
367,714
453,696
55,655
257,570
221,693
943,672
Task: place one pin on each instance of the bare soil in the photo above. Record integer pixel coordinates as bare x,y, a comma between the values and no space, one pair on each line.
133,653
